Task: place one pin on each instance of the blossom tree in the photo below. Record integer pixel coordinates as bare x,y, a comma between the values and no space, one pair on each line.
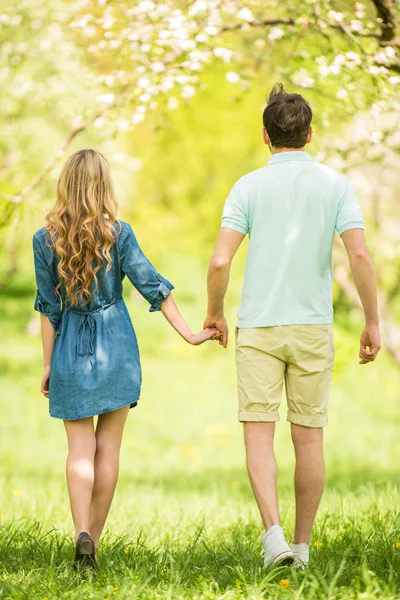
118,61
150,53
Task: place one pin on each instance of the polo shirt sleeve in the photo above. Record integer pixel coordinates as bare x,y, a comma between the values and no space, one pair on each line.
235,215
349,215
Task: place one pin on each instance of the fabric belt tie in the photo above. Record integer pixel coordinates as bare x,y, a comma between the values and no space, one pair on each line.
86,339
86,334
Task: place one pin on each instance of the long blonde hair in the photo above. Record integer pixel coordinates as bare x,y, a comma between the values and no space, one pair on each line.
81,224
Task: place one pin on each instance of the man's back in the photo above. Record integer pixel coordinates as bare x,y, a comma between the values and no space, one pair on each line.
290,209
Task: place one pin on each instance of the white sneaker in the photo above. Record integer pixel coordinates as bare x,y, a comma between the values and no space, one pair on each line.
276,548
301,553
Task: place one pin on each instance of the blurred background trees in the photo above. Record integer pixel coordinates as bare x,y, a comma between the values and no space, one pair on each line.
172,93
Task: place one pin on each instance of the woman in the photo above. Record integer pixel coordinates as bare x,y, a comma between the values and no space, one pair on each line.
91,355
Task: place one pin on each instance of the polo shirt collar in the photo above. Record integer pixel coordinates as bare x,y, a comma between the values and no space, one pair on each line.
291,155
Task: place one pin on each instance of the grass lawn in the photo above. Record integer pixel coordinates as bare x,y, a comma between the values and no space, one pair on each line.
184,523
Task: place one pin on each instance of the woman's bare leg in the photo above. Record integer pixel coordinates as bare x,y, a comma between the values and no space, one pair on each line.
109,432
80,470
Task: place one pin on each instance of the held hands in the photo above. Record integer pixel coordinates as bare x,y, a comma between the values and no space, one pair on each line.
44,386
370,344
209,333
221,325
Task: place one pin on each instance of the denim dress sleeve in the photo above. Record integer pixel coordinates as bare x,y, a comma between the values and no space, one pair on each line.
47,302
151,285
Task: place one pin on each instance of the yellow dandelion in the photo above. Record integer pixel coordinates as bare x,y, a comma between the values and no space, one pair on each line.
235,485
191,451
18,492
397,545
284,583
318,544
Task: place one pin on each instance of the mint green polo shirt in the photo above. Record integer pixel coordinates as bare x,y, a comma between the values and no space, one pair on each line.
290,209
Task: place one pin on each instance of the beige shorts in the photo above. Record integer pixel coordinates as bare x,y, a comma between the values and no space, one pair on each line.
300,355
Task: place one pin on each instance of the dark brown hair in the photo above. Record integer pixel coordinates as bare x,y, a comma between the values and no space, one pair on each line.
287,118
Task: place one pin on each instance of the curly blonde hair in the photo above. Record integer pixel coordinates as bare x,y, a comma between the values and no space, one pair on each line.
81,225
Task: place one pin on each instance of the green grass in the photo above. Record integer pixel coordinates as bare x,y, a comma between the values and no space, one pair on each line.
184,523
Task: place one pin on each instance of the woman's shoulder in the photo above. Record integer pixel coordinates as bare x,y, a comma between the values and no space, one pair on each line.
40,234
41,238
124,230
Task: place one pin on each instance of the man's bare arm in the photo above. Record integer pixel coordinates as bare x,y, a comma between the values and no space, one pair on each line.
228,242
365,281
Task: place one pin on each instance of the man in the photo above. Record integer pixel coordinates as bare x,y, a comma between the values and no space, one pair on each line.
290,208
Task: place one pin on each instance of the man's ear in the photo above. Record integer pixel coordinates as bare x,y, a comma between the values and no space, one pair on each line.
309,135
266,139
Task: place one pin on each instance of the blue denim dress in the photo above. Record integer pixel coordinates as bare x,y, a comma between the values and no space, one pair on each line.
95,366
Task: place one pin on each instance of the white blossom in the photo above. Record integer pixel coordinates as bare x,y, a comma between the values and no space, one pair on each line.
198,7
188,92
77,121
224,53
276,33
245,14
303,79
232,77
182,79
341,93
186,45
106,98
173,103
45,44
390,52
167,84
123,125
145,6
356,25
335,69
107,22
336,16
307,82
157,67
202,38
360,10
324,70
376,137
143,82
211,30
137,118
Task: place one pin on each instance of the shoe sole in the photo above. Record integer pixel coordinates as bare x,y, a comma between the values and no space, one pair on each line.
86,547
286,559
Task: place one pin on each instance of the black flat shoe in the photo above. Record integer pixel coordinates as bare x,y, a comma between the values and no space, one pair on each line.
85,553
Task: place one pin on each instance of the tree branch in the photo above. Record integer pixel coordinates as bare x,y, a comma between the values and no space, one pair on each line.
263,23
18,198
387,13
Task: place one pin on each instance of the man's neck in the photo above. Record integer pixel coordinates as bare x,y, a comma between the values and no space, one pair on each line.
280,150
